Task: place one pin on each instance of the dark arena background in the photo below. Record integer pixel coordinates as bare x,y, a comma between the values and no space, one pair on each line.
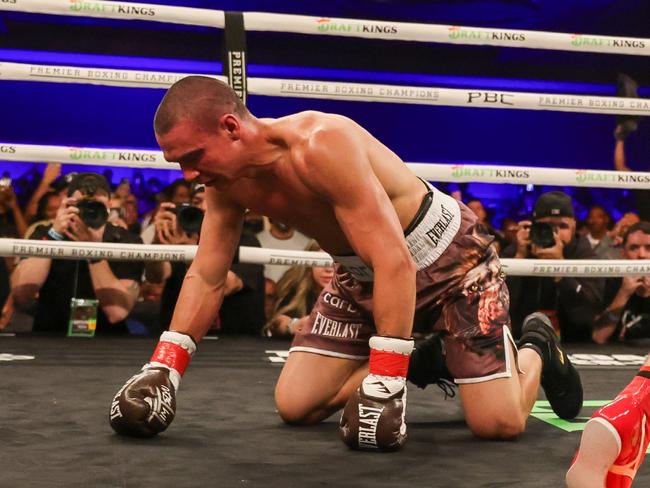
55,392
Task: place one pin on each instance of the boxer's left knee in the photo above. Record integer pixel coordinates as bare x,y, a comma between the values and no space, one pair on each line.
505,426
296,410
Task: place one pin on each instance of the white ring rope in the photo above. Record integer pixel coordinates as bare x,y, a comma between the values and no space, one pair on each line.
369,29
256,255
459,173
90,156
335,90
91,76
120,10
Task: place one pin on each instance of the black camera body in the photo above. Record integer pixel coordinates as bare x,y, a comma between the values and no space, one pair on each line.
92,213
542,234
189,218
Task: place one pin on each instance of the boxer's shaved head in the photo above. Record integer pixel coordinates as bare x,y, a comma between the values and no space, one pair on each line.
200,99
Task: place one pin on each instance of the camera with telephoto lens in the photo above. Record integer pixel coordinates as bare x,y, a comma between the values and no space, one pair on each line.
189,218
92,213
542,234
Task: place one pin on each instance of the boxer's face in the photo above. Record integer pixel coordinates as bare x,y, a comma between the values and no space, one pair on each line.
211,157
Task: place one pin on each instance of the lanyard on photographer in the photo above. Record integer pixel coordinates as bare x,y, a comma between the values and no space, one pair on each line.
75,281
234,62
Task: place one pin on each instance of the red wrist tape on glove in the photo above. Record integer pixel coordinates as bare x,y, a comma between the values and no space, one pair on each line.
171,355
385,363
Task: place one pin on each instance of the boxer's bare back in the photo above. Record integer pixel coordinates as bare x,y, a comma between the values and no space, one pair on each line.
300,168
322,174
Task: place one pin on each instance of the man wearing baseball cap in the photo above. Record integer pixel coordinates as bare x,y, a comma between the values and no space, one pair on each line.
570,303
100,291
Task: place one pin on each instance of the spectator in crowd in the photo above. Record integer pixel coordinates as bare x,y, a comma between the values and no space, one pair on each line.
12,222
571,303
116,212
297,291
47,207
177,193
476,206
620,228
128,203
642,197
123,189
12,225
254,224
598,224
280,236
50,174
509,228
627,315
277,235
131,216
52,283
242,310
581,228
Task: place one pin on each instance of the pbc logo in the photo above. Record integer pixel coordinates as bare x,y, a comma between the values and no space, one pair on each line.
490,97
7,149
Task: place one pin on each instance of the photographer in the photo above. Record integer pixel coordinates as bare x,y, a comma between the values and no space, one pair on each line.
179,192
570,303
242,310
82,216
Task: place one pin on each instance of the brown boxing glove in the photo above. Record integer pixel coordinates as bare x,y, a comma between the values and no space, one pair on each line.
374,417
146,404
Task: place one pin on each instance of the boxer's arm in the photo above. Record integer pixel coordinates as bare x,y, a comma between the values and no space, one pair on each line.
205,282
339,170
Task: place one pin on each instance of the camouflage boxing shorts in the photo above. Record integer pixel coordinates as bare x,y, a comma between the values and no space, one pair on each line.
461,293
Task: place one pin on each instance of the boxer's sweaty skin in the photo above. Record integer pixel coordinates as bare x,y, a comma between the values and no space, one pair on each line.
320,173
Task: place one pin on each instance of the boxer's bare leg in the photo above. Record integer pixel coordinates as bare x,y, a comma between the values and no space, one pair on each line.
498,409
312,387
598,451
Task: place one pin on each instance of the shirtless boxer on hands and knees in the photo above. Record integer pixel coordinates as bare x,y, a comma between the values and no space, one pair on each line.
405,252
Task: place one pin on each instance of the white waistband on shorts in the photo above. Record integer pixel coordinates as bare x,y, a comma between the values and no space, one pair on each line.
436,230
426,242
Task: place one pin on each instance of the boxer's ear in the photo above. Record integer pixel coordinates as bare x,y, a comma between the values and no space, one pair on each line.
231,125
